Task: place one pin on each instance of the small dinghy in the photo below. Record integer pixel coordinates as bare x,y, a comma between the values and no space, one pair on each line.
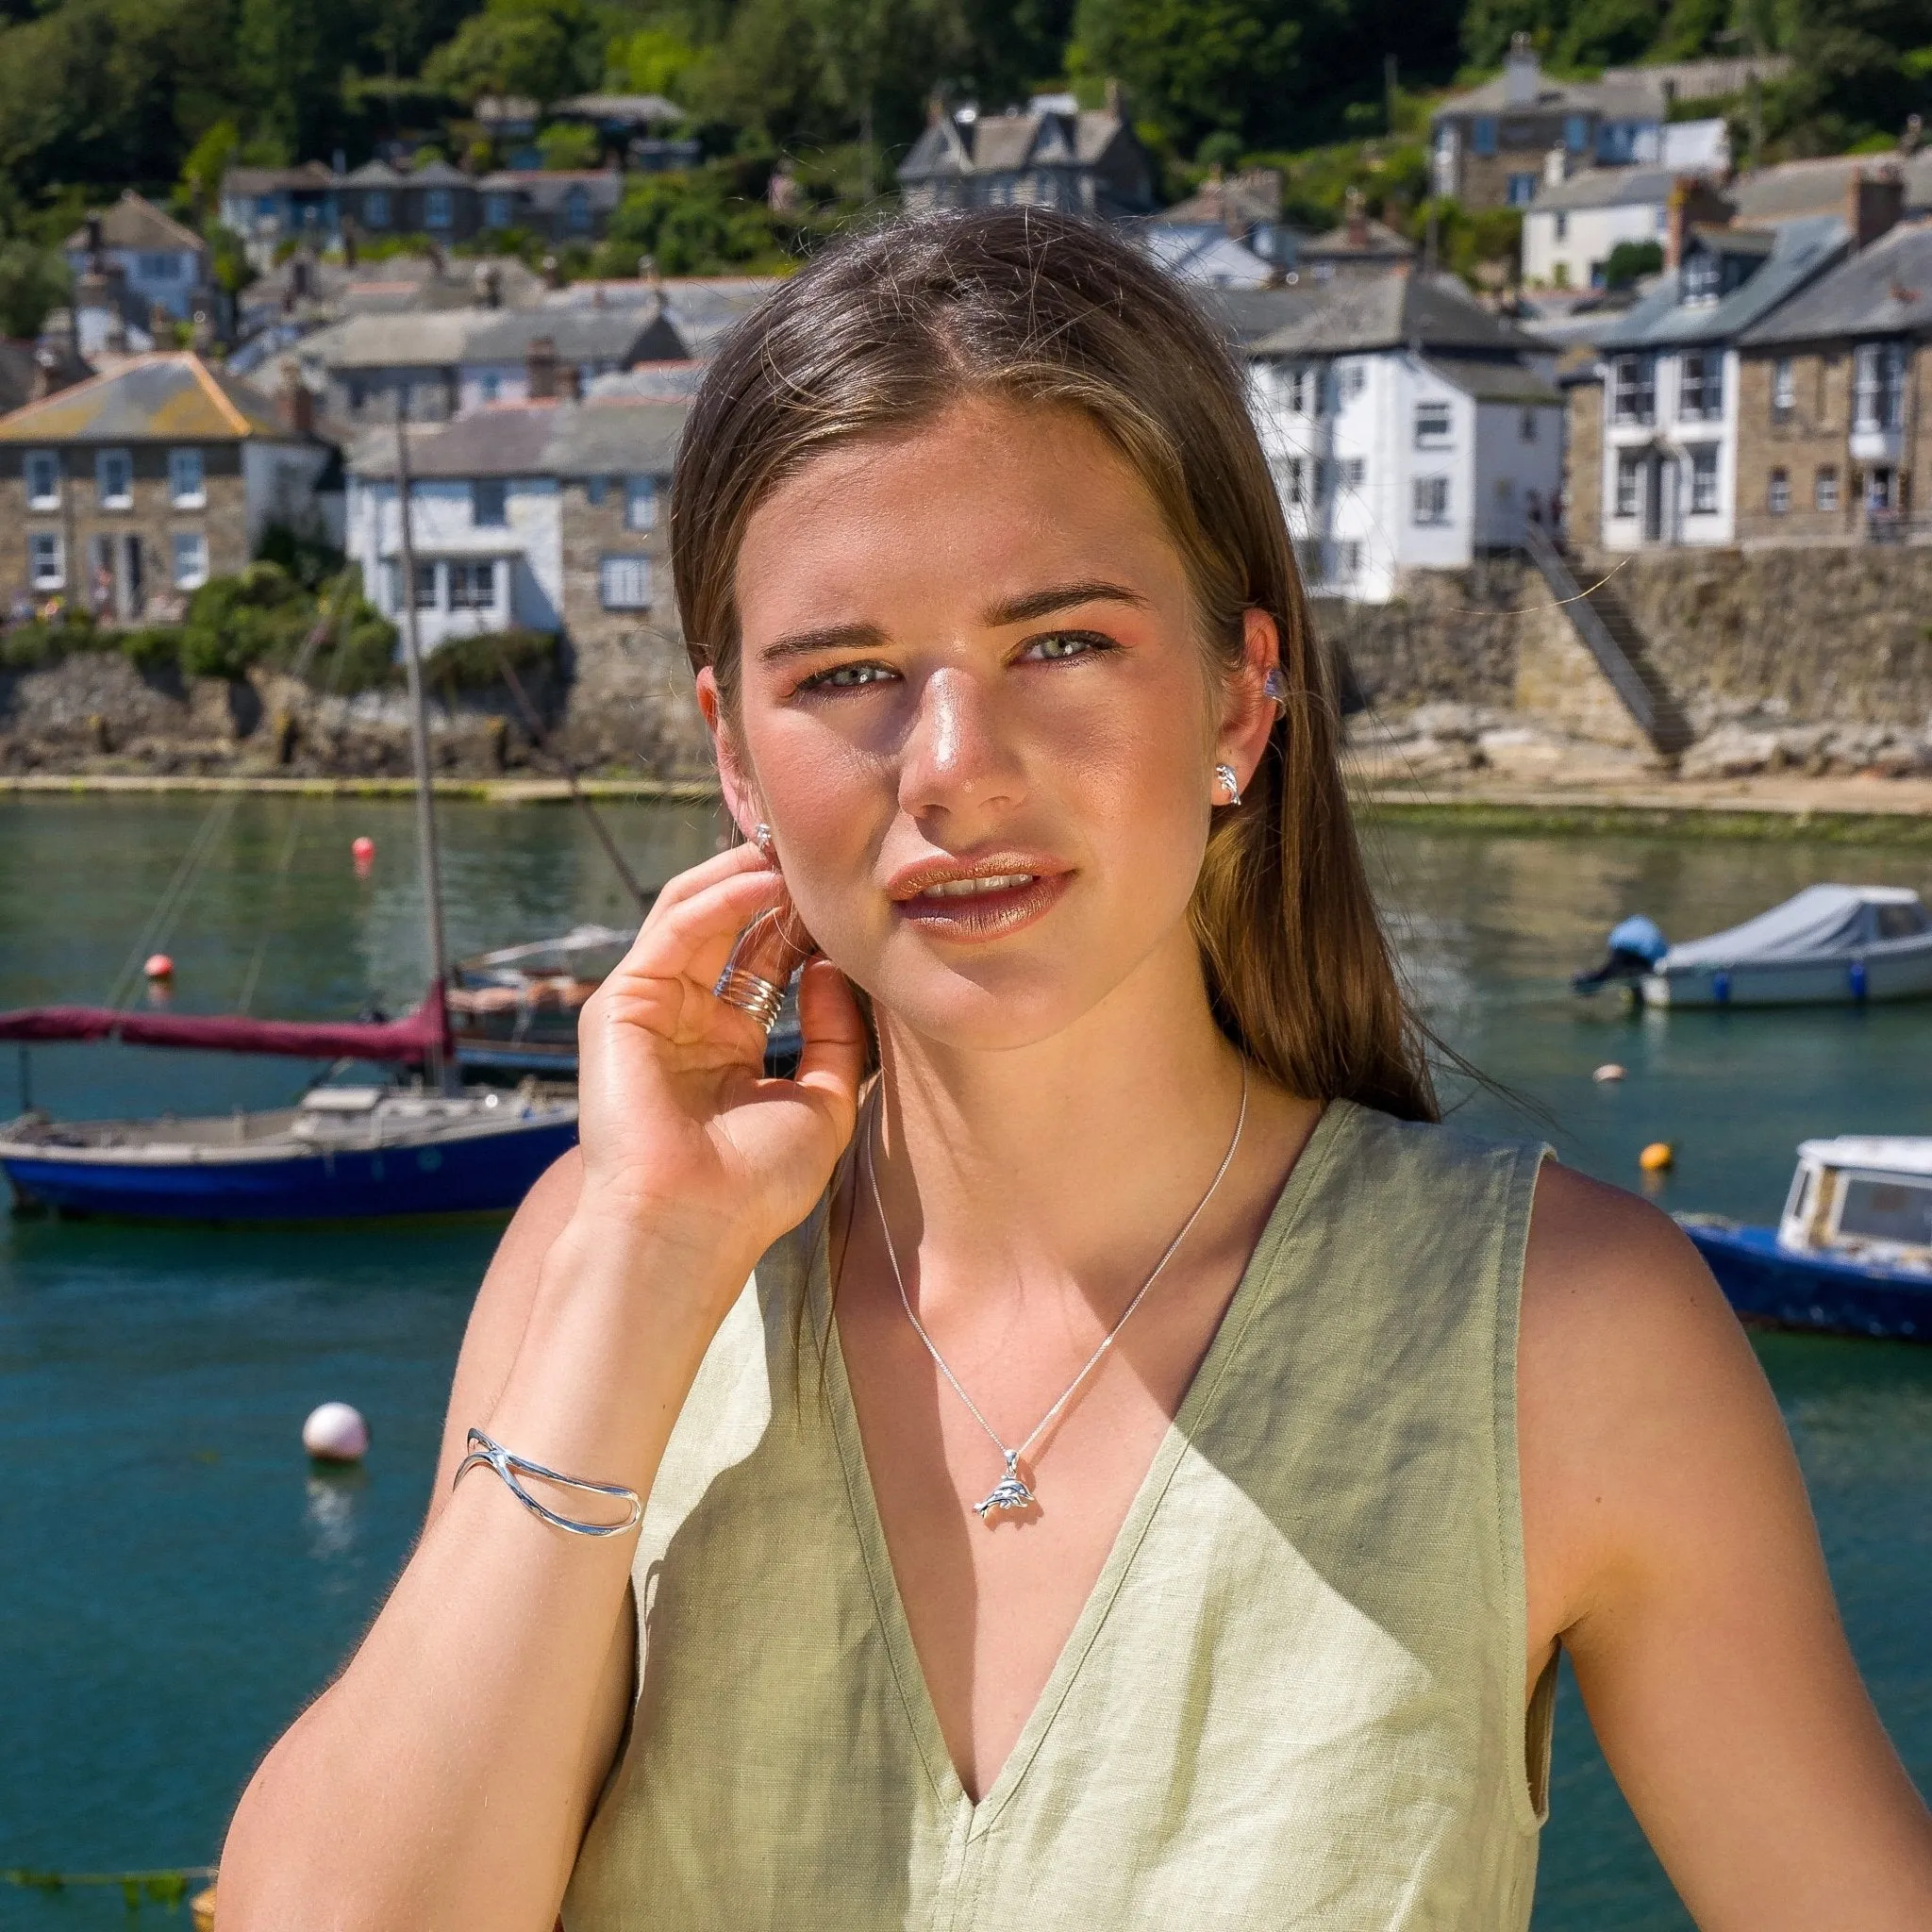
1830,946
1851,1254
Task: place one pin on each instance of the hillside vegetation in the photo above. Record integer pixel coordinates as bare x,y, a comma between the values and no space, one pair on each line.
95,94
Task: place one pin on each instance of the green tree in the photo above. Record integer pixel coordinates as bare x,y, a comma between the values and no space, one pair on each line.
32,280
654,60
208,161
1196,67
541,49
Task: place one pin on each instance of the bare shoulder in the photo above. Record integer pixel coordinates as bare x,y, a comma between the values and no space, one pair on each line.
1640,1401
502,1308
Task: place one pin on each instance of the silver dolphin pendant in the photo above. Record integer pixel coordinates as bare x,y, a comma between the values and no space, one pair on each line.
1009,1492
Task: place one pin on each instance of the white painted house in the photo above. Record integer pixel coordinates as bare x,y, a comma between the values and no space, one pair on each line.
150,254
1407,428
1669,374
485,524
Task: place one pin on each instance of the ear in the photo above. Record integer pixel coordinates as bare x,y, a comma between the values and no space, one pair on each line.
1249,716
734,778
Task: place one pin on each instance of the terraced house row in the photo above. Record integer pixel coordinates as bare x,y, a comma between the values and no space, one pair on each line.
1770,389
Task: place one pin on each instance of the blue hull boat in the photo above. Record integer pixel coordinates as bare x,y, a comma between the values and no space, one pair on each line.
379,1155
1834,1294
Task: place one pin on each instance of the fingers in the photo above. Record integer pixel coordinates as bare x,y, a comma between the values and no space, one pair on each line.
694,936
700,878
833,1060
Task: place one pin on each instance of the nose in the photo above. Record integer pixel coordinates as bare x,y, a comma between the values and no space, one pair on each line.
959,758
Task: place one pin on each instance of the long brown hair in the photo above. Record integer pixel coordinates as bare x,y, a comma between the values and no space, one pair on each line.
882,333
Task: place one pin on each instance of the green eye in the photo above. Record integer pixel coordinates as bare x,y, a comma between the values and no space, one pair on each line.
1061,644
846,678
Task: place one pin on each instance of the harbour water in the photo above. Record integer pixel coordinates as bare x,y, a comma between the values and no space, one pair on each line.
176,1579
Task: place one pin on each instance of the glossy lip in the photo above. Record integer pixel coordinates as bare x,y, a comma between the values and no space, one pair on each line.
980,915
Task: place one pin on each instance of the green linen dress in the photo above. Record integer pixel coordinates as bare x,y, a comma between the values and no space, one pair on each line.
1294,1698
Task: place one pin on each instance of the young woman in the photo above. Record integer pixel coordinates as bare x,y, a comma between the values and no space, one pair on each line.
1151,1469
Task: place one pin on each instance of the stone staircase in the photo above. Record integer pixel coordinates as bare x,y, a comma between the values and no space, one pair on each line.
1609,632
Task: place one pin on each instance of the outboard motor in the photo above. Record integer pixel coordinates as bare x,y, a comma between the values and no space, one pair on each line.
1634,947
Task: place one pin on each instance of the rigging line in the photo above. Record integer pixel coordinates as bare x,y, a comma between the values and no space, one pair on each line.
157,920
324,629
1530,610
568,767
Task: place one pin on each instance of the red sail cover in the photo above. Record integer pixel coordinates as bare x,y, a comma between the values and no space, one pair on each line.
409,1040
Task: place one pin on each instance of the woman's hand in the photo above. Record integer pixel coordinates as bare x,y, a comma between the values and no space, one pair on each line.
683,1137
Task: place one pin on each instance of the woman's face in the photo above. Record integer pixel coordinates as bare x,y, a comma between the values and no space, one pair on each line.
977,715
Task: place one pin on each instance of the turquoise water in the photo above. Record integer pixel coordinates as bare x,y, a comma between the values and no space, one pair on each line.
176,1580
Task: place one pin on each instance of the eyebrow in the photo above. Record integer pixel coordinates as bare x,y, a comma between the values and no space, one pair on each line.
1024,608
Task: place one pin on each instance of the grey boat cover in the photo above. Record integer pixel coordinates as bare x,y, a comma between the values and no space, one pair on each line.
1822,923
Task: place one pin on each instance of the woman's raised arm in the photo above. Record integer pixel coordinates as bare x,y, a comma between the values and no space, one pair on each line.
445,1778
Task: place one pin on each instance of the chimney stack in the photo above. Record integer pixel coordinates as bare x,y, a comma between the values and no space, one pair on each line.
1522,73
1677,221
1873,205
1116,102
487,283
570,382
553,272
540,369
295,401
46,373
94,241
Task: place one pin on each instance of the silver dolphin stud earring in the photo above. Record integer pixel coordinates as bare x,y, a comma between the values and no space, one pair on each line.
1225,777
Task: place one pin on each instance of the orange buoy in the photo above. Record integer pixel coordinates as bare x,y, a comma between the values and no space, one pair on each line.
158,966
1658,1156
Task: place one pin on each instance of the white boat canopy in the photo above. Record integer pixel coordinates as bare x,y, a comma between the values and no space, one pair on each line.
1822,921
1871,1153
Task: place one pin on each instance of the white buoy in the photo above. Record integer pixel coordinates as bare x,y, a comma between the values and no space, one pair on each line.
336,1433
1608,1071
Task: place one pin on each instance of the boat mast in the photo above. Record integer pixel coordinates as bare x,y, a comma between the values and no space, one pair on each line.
441,1073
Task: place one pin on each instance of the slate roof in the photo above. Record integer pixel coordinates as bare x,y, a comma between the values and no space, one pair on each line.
1247,198
1631,96
411,339
1494,380
648,382
951,147
1795,189
549,188
375,174
1248,315
1206,255
1357,314
608,436
702,309
581,335
19,369
173,397
268,181
1885,290
1379,242
1607,188
134,222
1801,251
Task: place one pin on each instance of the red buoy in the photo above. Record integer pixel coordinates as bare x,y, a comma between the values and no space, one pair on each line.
363,852
158,966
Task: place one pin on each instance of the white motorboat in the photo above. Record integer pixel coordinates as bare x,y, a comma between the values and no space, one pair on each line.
1829,945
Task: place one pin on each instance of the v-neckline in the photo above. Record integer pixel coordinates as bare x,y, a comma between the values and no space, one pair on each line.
894,1625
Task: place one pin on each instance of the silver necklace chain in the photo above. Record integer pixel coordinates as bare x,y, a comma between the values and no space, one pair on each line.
1012,1491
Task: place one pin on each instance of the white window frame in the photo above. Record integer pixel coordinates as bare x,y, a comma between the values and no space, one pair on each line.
187,559
46,462
179,461
473,583
1431,501
1629,498
1777,493
640,503
1705,488
46,560
1353,473
1878,386
1294,481
1348,559
624,582
102,462
1824,488
1701,385
1633,390
1435,423
1784,386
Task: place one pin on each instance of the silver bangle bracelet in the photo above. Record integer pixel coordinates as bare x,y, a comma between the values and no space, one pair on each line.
510,1466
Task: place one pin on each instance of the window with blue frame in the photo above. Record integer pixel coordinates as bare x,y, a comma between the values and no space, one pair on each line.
438,210
1522,190
1482,135
1577,132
